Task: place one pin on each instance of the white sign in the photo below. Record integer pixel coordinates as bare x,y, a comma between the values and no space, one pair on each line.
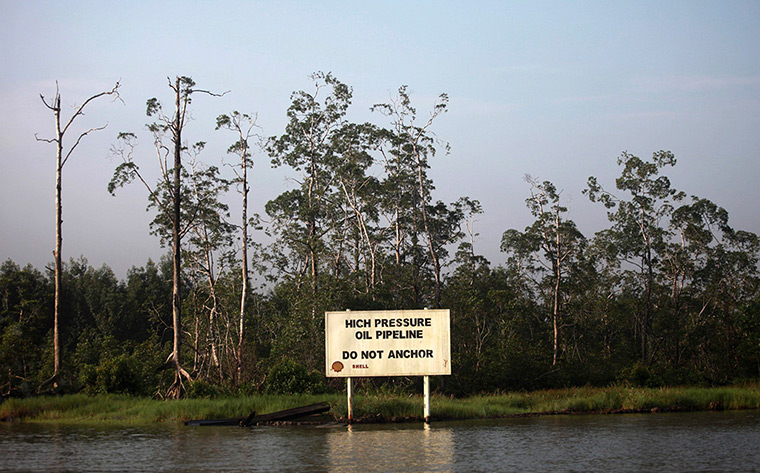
387,343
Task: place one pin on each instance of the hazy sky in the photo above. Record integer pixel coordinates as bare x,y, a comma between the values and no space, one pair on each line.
553,89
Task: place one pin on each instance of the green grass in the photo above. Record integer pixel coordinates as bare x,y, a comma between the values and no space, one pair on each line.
605,400
114,409
117,409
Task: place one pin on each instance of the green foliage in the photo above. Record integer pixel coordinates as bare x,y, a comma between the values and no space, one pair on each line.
107,366
25,329
119,375
641,375
290,377
667,294
201,389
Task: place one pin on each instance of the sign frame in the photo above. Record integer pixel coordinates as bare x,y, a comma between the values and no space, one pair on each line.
420,335
378,343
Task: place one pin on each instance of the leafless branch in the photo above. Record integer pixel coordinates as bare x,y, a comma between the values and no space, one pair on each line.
79,111
73,147
46,140
202,91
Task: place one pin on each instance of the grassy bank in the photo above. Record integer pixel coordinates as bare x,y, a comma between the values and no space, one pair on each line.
562,401
118,409
130,410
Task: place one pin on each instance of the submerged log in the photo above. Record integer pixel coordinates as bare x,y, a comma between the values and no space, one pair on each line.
253,419
287,414
214,422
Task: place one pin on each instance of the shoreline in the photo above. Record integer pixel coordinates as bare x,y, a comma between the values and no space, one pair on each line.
654,410
383,408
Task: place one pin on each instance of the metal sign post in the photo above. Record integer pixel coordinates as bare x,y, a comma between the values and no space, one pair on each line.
350,393
426,383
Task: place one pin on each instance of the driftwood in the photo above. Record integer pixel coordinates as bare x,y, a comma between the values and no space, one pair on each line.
253,419
214,422
287,414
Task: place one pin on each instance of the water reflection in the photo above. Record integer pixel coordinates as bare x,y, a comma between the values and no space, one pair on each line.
416,447
710,441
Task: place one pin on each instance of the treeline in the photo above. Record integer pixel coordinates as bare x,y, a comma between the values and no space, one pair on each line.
667,294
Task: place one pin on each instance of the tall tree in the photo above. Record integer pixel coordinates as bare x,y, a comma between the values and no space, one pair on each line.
552,243
412,145
167,127
62,156
639,230
302,215
713,276
209,243
243,126
359,191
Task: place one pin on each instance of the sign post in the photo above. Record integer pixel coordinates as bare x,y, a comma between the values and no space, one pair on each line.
426,383
350,396
388,343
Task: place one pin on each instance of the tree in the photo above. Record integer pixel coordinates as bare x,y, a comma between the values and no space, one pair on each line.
243,125
62,156
209,243
168,196
359,193
302,215
639,232
467,294
551,243
24,324
411,146
712,271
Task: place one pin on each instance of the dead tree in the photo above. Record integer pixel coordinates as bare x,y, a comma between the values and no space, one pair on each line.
174,219
62,156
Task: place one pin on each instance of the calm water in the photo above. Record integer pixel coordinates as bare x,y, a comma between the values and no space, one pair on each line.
710,441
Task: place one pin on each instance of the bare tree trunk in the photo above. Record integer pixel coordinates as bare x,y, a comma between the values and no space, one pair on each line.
176,277
243,125
58,244
645,323
431,247
362,226
214,309
61,158
397,246
182,87
646,318
555,316
244,292
177,386
214,342
557,279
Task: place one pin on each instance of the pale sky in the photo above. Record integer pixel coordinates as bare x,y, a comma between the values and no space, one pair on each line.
556,90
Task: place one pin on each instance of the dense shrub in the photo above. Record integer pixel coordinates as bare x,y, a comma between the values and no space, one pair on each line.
289,377
120,375
200,389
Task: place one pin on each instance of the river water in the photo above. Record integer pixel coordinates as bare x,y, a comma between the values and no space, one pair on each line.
693,442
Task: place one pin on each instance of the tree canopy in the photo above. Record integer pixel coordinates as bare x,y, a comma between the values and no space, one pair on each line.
667,293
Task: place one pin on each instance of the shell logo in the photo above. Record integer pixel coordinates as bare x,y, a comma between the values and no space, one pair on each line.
337,366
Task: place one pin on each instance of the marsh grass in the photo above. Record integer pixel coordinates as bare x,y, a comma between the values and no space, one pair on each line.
595,400
116,409
615,399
